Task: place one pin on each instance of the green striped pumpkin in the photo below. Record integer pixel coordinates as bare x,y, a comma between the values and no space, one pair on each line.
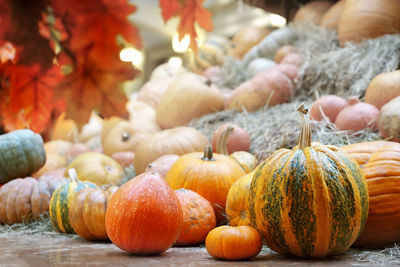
61,201
311,201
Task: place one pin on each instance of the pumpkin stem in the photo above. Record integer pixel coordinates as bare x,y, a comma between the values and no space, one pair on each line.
73,175
125,137
305,128
208,153
208,82
222,146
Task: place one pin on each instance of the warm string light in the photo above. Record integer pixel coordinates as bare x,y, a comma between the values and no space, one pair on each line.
130,54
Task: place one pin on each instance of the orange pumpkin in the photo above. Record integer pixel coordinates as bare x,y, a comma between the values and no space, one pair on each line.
144,216
233,242
198,217
210,175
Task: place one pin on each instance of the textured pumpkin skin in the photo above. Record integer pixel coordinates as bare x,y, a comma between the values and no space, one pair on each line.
209,178
237,201
246,160
144,216
87,212
97,168
198,217
233,243
21,154
310,202
26,199
380,163
60,203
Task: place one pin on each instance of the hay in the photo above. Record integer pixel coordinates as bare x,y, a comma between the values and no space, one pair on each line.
278,126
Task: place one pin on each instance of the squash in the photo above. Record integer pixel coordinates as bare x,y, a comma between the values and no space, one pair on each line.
61,199
26,199
190,96
257,65
380,163
162,164
21,154
245,39
331,18
312,12
91,129
367,19
140,109
88,211
327,106
210,175
65,129
282,52
233,242
198,217
152,91
389,120
178,140
311,201
125,159
97,168
144,216
237,201
383,88
75,150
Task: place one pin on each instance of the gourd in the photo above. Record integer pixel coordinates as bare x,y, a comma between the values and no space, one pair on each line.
125,159
208,174
282,52
198,217
389,120
87,212
327,106
357,115
65,129
141,109
257,65
190,96
367,19
379,161
26,199
331,18
233,242
178,140
97,168
237,201
92,129
312,12
245,39
61,199
383,88
152,91
144,216
21,154
162,164
311,201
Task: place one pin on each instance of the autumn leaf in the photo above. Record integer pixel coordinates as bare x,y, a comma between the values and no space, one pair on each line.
190,12
30,101
95,87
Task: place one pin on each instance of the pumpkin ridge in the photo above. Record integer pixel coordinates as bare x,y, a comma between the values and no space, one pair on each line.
55,208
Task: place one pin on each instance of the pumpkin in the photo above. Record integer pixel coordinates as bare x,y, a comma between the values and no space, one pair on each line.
91,129
75,150
165,70
246,38
268,87
162,164
312,12
257,65
379,161
327,106
21,154
383,88
87,212
120,137
198,217
213,74
141,109
26,199
367,19
331,18
152,91
282,52
238,140
125,159
356,116
144,215
97,168
293,58
190,96
210,53
179,140
61,199
237,201
389,120
208,174
311,201
233,242
65,129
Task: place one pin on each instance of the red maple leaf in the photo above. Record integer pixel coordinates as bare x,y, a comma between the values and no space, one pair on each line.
190,12
94,87
30,97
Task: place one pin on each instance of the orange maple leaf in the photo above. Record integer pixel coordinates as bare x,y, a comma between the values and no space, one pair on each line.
30,99
94,87
190,12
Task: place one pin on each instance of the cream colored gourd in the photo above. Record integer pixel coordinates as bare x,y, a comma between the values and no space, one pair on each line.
383,88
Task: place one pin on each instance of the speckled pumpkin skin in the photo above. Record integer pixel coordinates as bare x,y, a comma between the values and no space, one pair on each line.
310,202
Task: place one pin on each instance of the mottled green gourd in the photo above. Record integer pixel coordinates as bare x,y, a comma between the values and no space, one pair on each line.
21,154
61,200
309,202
